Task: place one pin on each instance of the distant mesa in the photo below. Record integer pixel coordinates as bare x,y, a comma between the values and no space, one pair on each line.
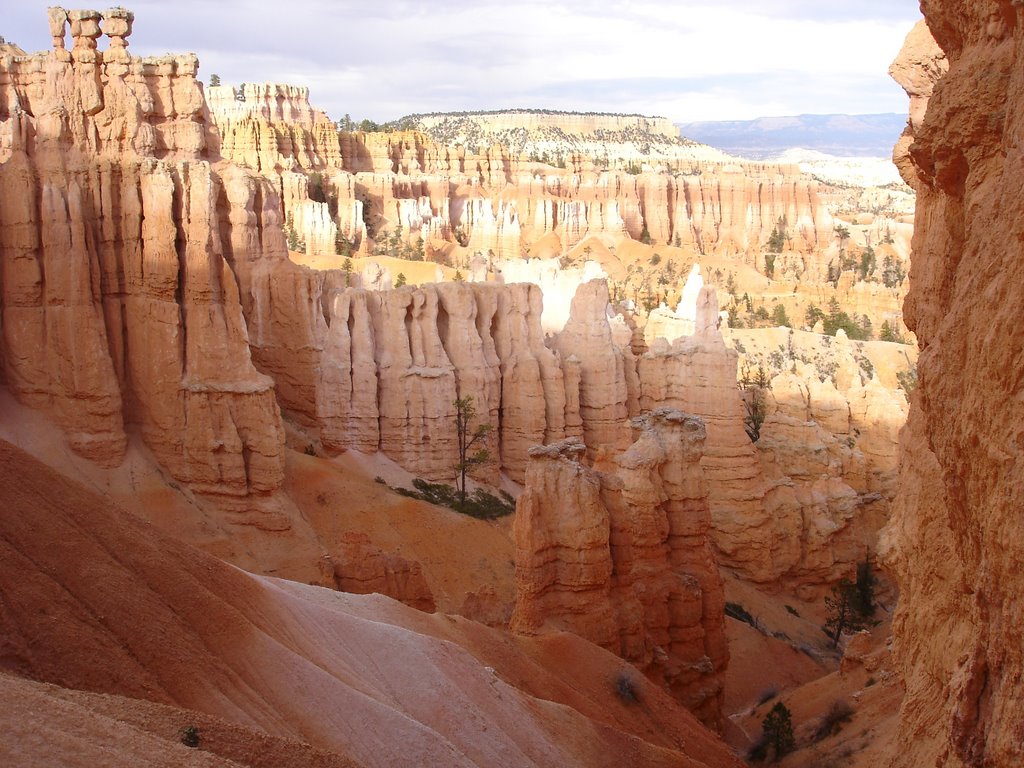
531,133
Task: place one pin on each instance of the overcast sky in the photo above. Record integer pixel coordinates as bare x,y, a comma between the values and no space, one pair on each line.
699,60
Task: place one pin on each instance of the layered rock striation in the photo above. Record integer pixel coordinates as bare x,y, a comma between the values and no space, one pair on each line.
623,557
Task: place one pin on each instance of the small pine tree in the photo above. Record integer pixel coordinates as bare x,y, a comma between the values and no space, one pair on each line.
890,333
214,80
867,262
845,612
778,729
400,280
347,267
293,236
755,402
465,412
459,277
779,316
812,315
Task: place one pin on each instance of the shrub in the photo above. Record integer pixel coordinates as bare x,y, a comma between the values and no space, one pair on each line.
832,721
189,736
777,727
907,380
790,609
480,504
866,366
779,316
625,688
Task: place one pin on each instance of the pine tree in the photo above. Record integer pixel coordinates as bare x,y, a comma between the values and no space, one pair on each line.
778,729
845,611
465,412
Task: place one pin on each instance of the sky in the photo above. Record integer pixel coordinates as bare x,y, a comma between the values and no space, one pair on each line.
688,61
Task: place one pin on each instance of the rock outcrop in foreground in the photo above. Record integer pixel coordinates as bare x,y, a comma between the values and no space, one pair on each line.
623,557
957,536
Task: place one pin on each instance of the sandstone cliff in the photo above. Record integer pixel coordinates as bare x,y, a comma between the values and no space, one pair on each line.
623,557
956,540
120,307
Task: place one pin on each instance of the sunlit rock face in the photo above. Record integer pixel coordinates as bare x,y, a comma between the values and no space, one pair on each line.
956,540
119,303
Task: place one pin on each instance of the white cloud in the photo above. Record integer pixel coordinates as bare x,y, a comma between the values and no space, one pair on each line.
689,61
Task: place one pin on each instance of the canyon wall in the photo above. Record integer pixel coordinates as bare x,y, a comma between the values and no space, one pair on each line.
956,541
495,198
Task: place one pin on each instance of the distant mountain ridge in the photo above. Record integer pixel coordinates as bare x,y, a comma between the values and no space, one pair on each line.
768,137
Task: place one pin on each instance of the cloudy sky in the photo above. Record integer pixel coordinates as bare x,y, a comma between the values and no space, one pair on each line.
687,60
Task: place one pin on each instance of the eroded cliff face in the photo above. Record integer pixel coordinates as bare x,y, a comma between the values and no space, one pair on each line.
146,285
119,304
623,557
956,541
495,198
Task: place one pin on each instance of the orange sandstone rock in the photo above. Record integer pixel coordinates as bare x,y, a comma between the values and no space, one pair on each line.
623,558
956,542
